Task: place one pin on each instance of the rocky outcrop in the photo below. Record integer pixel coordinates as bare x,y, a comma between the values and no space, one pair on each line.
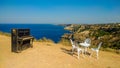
107,33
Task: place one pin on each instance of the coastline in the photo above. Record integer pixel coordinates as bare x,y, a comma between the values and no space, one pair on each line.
50,31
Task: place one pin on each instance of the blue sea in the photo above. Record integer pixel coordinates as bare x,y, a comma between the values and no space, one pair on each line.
50,31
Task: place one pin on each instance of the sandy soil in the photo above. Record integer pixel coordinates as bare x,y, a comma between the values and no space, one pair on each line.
50,55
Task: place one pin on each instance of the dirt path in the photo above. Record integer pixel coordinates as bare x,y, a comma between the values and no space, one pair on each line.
50,55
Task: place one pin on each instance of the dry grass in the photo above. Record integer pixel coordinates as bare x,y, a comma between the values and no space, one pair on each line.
6,34
51,55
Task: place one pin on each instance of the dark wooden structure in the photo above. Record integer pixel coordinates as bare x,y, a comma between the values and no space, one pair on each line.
21,39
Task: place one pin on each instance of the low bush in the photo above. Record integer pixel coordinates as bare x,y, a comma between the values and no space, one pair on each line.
44,39
4,33
65,42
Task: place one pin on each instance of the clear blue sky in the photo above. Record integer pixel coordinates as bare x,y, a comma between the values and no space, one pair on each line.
59,11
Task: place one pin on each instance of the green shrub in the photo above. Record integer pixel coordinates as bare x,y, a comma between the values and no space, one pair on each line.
65,42
100,33
44,39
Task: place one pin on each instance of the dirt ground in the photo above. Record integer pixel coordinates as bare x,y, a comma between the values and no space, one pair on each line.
50,55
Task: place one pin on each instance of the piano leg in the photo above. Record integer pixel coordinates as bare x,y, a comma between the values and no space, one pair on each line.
31,43
21,43
19,47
